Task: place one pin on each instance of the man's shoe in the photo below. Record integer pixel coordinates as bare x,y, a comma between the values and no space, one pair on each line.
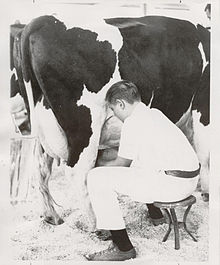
158,221
112,254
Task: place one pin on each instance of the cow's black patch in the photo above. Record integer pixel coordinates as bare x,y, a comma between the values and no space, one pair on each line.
14,89
93,62
82,132
160,55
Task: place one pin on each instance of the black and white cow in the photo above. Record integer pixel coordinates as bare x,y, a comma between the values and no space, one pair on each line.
65,73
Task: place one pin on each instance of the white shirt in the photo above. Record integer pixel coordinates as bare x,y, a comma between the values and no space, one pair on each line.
153,142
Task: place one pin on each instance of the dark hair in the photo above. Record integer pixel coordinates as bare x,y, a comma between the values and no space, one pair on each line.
208,7
123,90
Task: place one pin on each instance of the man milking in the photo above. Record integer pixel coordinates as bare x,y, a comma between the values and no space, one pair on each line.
155,162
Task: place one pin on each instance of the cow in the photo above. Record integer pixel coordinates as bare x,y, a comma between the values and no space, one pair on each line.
64,74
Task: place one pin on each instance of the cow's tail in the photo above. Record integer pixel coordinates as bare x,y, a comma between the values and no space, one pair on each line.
25,51
27,70
35,25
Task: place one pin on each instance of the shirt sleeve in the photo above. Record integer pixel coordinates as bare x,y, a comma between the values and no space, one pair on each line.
128,143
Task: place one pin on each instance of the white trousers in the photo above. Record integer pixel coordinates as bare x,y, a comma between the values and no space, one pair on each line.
104,184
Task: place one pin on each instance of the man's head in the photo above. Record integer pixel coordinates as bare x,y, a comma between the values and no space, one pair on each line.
122,97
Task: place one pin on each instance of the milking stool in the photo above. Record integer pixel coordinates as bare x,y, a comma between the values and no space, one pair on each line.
173,222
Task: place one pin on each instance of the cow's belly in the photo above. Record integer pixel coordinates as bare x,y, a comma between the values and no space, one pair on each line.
51,135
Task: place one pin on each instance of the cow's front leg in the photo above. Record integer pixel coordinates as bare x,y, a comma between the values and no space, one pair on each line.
45,168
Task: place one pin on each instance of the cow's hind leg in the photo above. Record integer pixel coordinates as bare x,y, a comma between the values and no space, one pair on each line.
45,168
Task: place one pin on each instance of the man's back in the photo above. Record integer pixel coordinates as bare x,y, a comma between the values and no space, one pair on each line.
157,143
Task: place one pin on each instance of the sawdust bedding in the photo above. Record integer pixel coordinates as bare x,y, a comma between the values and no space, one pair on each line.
33,239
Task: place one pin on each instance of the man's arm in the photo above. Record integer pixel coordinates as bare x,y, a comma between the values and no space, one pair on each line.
118,162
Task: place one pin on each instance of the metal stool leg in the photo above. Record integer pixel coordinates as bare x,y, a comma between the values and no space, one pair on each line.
169,229
176,228
184,223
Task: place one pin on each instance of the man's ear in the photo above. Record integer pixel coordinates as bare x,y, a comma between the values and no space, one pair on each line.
121,103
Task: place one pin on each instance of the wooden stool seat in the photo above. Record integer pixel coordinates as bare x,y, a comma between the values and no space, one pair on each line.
173,222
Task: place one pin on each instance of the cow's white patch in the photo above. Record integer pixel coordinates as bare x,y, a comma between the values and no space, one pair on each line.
202,148
15,73
30,97
18,111
113,35
152,97
203,56
96,104
51,135
185,123
198,136
17,103
105,32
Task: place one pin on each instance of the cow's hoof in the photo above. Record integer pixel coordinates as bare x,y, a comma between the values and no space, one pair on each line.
51,220
205,197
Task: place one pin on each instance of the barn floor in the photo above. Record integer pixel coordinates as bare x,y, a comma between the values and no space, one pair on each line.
32,239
